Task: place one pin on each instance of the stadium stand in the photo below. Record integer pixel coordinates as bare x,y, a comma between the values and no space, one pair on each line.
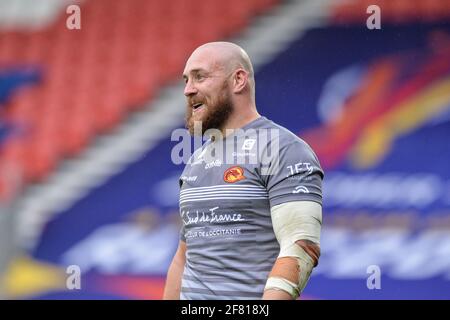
91,78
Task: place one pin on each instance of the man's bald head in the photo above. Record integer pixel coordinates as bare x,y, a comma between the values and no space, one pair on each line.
226,56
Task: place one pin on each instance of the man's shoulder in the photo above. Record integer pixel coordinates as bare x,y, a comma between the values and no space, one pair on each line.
292,149
284,136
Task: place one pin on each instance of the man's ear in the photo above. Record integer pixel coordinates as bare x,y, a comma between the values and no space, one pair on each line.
240,80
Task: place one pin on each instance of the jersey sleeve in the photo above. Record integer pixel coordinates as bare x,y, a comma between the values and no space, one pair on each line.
182,233
294,174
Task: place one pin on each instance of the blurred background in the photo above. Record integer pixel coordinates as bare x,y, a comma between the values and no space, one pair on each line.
86,116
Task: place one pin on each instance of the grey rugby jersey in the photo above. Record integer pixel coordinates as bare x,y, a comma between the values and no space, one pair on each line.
226,191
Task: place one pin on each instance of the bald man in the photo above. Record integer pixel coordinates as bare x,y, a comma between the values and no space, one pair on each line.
250,230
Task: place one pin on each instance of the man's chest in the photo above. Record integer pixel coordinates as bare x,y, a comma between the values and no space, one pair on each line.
214,189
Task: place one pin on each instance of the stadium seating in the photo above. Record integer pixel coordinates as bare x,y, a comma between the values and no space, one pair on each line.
93,77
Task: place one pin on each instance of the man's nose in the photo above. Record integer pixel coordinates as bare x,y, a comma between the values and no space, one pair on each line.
189,89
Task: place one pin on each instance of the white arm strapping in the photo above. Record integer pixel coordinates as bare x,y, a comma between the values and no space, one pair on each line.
297,220
292,221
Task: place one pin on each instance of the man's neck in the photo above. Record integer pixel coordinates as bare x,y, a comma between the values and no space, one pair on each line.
239,120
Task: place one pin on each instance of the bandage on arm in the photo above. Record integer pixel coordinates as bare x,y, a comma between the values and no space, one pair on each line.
297,228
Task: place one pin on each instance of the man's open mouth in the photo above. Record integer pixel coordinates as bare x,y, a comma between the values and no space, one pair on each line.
197,106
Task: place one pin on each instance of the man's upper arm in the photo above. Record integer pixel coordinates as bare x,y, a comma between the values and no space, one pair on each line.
181,251
299,222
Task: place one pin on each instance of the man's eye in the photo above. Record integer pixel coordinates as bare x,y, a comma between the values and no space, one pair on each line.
199,77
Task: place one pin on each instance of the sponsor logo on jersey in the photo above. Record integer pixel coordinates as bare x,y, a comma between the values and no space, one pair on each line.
212,164
233,174
248,144
189,179
300,189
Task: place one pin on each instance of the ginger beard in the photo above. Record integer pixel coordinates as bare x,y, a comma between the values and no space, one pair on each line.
214,113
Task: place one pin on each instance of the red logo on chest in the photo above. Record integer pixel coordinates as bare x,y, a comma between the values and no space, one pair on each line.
233,174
